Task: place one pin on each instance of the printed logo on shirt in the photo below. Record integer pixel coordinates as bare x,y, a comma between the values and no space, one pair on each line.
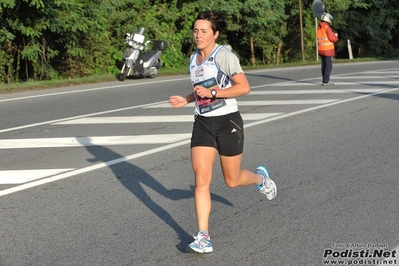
199,72
210,59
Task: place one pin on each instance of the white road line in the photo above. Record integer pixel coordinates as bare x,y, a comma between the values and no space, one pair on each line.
79,116
151,119
167,147
386,82
91,141
91,89
303,81
329,91
310,81
91,168
285,102
383,72
23,176
317,107
364,77
259,103
337,83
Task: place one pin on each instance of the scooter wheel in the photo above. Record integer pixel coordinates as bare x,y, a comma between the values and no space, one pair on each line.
153,72
123,75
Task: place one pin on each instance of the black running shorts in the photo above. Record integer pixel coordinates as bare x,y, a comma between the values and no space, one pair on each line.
224,133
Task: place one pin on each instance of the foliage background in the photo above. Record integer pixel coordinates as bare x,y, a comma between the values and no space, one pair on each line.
60,39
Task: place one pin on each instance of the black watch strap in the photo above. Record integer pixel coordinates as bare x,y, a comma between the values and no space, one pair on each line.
213,94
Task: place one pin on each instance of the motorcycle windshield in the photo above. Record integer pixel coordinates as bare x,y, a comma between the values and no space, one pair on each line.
128,52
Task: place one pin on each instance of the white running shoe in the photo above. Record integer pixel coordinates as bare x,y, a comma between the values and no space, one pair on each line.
202,244
268,187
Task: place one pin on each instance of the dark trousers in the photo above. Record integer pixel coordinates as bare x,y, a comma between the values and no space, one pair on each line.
326,68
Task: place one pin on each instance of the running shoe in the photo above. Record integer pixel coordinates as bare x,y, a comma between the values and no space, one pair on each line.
268,187
202,244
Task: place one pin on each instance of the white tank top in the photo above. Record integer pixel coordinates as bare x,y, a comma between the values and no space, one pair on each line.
209,75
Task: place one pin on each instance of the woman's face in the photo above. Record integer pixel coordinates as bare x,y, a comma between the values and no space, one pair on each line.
203,34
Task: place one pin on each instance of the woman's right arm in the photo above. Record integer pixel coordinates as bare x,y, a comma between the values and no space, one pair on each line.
178,101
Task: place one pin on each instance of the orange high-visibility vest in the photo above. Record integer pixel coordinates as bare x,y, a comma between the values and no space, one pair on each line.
323,43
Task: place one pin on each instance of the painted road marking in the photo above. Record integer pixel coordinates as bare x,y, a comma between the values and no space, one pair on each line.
295,92
169,146
383,71
91,168
150,119
337,83
366,77
23,176
91,141
76,117
91,89
259,103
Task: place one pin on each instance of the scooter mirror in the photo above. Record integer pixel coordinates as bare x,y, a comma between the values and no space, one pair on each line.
141,31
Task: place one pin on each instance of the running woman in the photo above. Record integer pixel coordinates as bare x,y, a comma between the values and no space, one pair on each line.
217,78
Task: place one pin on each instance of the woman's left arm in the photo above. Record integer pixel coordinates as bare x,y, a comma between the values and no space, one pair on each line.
240,87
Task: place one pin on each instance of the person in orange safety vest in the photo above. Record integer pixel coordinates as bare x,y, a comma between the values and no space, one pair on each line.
325,46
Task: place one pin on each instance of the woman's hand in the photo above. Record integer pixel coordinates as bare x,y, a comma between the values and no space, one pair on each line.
202,92
177,101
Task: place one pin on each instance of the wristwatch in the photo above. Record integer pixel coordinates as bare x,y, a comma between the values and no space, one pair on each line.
213,92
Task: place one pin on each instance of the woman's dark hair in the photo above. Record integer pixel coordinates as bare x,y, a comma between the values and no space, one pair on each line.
217,19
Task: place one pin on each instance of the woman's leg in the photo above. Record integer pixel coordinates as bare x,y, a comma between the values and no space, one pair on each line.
234,176
202,160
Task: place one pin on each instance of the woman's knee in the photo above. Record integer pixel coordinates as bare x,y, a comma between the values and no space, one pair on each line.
231,182
203,180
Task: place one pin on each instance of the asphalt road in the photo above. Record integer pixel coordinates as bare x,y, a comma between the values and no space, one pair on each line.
100,174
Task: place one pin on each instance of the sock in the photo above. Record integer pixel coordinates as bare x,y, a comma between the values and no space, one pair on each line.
261,180
206,234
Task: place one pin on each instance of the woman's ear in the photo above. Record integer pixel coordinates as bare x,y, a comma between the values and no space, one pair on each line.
216,35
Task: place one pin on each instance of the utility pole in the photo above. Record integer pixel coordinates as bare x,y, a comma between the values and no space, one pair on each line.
318,10
301,26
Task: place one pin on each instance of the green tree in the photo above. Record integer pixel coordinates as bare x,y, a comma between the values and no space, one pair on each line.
68,38
43,40
372,27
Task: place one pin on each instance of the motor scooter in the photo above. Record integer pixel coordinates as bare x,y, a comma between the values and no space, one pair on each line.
139,61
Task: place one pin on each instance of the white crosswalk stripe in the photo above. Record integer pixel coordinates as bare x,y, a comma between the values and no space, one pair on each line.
330,91
23,176
345,86
150,119
337,83
90,141
259,103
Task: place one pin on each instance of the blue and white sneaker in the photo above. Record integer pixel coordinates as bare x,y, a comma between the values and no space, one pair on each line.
268,187
202,244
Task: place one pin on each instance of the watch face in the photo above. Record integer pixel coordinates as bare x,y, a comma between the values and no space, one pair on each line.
213,93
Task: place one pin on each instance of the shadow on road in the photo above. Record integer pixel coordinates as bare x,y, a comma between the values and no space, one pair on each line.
390,96
134,178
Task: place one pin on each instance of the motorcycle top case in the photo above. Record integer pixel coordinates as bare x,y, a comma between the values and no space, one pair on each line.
159,45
